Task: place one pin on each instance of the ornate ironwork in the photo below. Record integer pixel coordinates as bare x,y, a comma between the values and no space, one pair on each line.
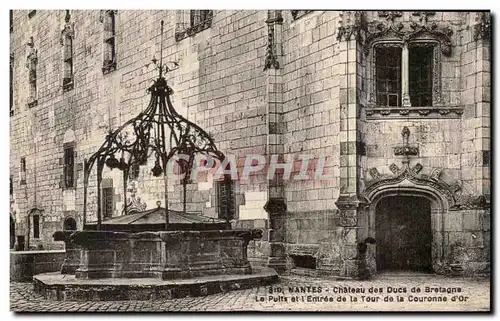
159,132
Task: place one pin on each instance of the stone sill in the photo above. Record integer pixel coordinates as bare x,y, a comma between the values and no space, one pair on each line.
67,85
191,31
32,103
108,67
413,112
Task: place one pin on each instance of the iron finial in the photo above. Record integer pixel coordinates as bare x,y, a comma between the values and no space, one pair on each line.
161,49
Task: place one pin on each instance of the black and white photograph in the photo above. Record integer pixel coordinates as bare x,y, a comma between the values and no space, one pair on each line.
269,160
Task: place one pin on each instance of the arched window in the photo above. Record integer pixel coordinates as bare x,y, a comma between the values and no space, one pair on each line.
69,224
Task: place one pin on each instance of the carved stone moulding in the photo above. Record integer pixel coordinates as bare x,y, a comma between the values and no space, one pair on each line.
412,112
400,32
448,192
482,28
405,151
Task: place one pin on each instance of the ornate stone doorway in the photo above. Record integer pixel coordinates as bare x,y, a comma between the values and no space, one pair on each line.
403,234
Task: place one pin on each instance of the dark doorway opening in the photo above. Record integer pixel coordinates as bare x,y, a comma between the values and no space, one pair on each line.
304,261
12,233
69,224
403,234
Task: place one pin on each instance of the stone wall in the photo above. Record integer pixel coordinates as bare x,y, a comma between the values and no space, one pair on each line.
315,101
219,86
25,264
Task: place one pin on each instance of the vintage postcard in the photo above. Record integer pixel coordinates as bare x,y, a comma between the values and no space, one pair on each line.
250,160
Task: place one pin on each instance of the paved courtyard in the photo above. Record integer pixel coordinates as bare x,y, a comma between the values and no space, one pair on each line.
296,294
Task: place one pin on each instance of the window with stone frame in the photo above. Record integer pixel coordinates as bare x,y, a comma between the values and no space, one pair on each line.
11,85
391,80
191,22
420,75
69,165
405,79
108,18
388,76
31,65
134,172
108,203
225,198
36,226
22,171
67,45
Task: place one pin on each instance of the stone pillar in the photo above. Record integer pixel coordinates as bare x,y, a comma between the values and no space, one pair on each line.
351,203
276,203
405,76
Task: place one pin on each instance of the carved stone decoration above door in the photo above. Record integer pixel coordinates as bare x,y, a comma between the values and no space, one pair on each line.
449,192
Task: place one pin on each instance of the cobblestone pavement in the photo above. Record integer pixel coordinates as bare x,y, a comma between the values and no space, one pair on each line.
476,292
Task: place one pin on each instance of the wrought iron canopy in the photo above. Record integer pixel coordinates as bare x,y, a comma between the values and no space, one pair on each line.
159,132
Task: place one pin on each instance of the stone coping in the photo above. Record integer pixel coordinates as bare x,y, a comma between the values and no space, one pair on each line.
59,287
37,252
81,237
56,278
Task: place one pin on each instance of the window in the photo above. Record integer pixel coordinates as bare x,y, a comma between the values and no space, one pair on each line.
22,172
69,224
11,20
191,22
107,202
109,20
69,166
31,14
304,261
11,186
421,76
134,172
388,76
226,199
67,44
199,16
11,84
36,226
414,89
31,64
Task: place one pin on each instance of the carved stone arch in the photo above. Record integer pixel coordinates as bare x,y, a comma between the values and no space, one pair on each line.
408,180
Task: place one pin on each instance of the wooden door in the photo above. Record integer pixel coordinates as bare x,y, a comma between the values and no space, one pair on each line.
403,234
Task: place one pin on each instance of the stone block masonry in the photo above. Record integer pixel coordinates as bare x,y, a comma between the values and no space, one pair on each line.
267,82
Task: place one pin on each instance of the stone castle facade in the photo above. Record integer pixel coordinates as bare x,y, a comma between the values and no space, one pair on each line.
397,102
